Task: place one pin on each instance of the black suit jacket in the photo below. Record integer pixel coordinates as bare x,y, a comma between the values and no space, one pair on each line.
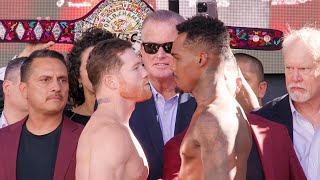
278,110
146,128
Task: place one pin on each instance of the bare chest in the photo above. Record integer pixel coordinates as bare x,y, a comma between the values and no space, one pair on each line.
137,165
190,148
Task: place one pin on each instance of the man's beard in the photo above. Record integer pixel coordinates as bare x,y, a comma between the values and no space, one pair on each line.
298,96
137,94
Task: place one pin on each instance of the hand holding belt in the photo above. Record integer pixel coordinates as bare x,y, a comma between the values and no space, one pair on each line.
124,18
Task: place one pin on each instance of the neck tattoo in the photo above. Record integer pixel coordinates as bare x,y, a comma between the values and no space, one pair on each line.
103,100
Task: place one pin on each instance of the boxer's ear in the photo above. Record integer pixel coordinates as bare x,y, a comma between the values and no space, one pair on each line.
111,82
203,58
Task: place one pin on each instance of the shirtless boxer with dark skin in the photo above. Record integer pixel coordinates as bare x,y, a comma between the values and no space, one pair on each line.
218,141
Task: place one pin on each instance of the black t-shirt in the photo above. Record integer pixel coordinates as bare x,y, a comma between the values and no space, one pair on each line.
254,166
37,154
78,118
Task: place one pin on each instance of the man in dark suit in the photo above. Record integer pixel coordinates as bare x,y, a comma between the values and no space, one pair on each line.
167,113
299,110
147,130
278,110
43,145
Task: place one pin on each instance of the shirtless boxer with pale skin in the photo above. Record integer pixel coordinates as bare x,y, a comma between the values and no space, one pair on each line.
218,141
107,149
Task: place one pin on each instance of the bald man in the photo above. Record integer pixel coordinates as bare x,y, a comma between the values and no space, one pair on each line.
252,70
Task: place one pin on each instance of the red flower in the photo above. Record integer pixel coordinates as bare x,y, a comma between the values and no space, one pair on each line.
277,34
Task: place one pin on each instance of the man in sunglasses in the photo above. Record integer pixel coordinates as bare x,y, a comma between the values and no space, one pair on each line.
167,112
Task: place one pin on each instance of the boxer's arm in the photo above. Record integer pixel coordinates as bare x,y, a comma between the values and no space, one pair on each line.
213,155
246,97
109,155
31,47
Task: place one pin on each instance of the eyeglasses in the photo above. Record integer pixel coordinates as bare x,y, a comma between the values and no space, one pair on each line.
153,48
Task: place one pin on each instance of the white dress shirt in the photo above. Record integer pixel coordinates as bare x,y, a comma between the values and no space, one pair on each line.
166,113
3,121
306,142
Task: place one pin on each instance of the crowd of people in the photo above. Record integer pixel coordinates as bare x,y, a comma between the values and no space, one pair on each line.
187,109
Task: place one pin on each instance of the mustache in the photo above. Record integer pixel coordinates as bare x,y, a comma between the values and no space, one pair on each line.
54,95
295,85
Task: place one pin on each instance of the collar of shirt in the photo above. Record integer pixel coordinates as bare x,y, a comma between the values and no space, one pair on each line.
293,109
298,119
3,121
157,95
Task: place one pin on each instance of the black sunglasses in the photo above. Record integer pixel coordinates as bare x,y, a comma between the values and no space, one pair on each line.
153,48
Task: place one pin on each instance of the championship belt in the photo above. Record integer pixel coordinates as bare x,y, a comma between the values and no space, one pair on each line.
124,18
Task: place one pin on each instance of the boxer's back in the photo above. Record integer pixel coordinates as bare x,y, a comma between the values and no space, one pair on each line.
217,143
